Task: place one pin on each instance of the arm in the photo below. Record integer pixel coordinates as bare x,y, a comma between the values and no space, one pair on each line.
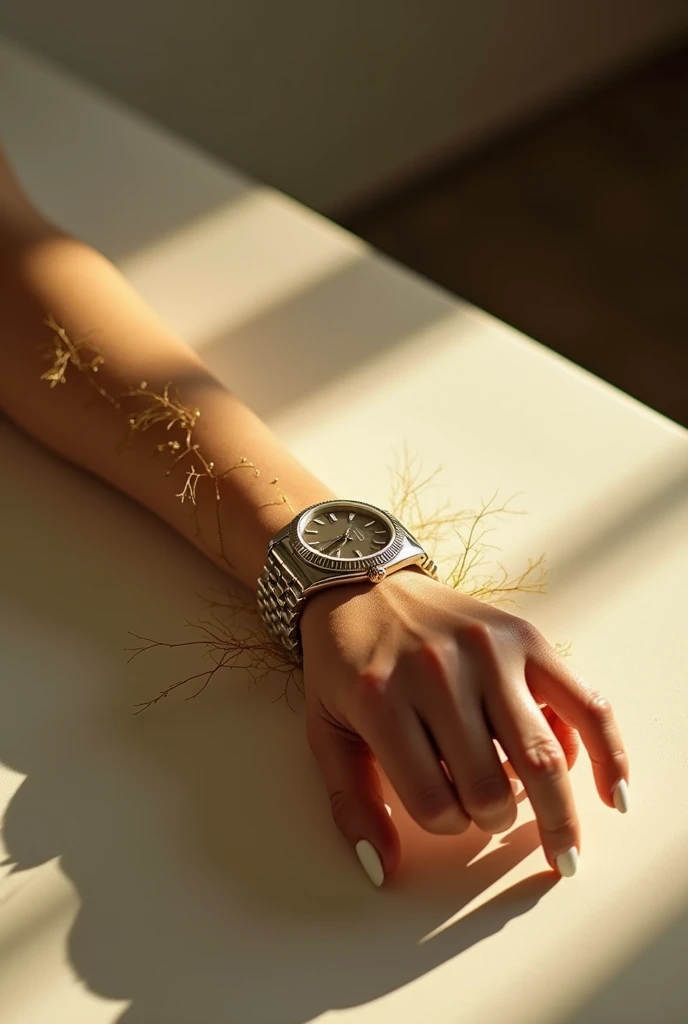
409,675
45,272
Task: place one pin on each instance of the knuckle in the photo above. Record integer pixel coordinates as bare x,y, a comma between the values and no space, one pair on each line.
341,808
561,833
372,681
431,803
482,635
599,710
544,759
370,692
526,632
488,793
434,651
617,757
435,658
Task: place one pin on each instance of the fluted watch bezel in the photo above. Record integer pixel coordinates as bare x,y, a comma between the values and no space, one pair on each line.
345,565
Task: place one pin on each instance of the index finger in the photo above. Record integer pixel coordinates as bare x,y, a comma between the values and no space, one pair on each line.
551,680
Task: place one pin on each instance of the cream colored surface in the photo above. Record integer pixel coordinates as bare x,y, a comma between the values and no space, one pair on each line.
180,866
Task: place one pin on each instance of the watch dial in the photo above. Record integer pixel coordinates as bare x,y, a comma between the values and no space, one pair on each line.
345,532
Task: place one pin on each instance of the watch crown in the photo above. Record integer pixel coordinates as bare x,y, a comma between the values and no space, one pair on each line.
376,574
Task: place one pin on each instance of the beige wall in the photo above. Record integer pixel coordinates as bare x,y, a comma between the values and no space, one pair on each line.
328,100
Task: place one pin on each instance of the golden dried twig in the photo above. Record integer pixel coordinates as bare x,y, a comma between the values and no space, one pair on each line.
146,408
229,642
232,634
468,572
410,489
457,538
80,354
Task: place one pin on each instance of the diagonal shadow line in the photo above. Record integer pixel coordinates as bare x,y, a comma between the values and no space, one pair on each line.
279,897
137,183
650,986
323,331
668,492
491,916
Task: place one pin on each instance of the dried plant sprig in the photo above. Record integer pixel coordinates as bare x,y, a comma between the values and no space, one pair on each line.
147,408
456,538
81,354
498,585
410,489
233,636
228,645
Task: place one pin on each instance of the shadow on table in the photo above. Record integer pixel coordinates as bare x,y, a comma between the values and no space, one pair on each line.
323,331
133,185
212,885
652,986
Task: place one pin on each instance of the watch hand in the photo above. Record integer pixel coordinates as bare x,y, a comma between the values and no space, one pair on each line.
334,544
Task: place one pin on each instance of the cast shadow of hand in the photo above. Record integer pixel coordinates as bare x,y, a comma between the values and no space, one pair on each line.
211,882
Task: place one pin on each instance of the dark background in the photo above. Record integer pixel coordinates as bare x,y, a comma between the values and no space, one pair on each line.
573,229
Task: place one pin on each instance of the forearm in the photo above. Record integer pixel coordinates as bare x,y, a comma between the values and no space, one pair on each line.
44,273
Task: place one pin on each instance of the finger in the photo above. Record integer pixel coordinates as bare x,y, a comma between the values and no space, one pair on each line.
584,709
353,785
568,736
394,732
537,757
452,712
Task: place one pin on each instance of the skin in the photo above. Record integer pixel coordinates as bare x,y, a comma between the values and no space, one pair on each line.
408,675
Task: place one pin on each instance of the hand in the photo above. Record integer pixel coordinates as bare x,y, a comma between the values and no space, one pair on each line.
419,677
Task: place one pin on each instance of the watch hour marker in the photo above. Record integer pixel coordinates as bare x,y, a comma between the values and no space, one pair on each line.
379,531
371,523
352,516
378,543
332,517
320,522
358,553
311,531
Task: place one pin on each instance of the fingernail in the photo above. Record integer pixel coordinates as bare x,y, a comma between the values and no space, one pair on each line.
620,795
370,860
567,863
388,809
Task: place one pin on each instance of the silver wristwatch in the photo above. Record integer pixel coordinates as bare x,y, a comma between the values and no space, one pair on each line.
326,544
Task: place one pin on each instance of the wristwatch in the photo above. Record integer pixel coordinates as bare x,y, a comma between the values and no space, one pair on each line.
326,544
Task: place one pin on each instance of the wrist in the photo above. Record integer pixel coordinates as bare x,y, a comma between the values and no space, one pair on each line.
256,514
339,548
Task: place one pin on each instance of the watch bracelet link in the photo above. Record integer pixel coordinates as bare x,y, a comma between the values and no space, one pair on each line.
280,602
281,599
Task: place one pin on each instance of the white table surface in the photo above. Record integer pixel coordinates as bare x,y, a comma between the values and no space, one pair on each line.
179,867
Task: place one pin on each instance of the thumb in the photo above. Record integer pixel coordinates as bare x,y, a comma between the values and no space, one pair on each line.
353,785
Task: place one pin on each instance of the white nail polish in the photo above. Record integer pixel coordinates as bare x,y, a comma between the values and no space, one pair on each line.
567,863
370,860
620,795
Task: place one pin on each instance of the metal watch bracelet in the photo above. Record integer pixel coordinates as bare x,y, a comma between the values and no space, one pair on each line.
280,602
281,599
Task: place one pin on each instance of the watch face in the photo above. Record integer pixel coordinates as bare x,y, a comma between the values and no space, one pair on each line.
345,531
